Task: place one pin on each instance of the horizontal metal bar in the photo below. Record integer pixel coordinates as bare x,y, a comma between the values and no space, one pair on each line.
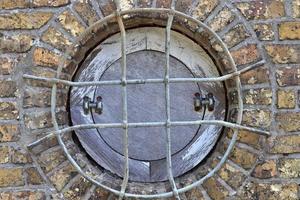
151,124
143,81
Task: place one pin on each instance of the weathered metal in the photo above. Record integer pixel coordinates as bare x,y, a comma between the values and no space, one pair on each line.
58,132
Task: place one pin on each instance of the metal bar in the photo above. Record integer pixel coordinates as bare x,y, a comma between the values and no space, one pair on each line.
168,107
160,195
151,124
144,81
124,99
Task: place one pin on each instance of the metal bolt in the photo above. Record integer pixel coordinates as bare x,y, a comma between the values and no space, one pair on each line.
201,101
88,105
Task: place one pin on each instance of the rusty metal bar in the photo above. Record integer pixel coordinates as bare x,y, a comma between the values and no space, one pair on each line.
144,81
124,99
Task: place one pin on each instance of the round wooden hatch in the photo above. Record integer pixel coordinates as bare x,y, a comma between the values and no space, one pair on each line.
146,103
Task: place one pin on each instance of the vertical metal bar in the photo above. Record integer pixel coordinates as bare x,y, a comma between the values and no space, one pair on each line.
124,99
168,106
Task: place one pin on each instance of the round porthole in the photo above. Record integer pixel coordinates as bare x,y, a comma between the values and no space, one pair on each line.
146,59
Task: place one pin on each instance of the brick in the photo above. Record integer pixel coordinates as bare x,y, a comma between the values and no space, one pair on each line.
47,3
99,193
243,157
24,20
9,133
288,76
265,170
107,7
286,99
20,156
45,57
289,31
288,121
86,12
6,66
8,110
203,8
181,5
296,8
49,160
257,118
71,23
262,96
235,36
289,168
262,9
15,44
4,154
214,189
28,195
245,55
8,89
39,120
255,76
61,177
264,32
56,39
194,194
163,3
11,177
253,191
247,137
283,54
34,97
231,175
284,144
33,176
13,4
78,189
221,20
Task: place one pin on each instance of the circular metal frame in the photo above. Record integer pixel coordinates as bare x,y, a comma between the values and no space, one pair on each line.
118,14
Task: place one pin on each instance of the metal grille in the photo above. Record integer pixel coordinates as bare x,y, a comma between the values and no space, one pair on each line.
171,13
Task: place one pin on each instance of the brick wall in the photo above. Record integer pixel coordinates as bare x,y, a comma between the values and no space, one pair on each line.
34,34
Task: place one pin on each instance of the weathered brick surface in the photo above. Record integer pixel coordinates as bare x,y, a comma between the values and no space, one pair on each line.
274,191
283,54
11,177
236,35
289,168
266,169
78,189
86,11
214,189
262,9
289,31
46,3
8,110
288,121
203,8
30,195
8,89
11,4
255,76
264,32
33,176
56,38
288,76
24,20
71,23
18,43
257,118
284,144
9,133
296,8
286,99
61,177
6,66
258,96
246,55
222,19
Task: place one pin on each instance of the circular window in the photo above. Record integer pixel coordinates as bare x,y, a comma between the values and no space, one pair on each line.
146,59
